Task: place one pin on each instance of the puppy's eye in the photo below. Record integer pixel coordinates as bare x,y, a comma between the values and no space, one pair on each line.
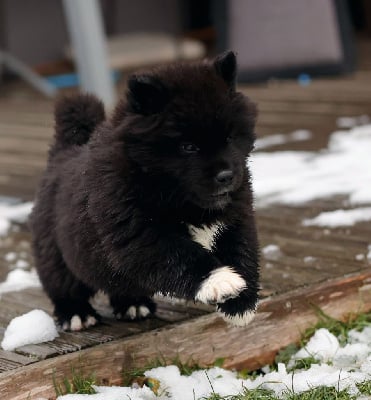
189,148
229,138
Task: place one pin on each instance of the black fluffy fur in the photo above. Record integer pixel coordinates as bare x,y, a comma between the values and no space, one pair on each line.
118,194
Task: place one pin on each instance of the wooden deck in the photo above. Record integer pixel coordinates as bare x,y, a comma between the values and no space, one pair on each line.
334,280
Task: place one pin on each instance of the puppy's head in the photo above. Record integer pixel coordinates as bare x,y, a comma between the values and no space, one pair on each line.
187,129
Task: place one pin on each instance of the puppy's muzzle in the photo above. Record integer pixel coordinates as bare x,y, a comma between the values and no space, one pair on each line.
224,178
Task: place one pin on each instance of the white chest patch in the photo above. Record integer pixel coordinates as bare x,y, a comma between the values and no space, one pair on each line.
205,235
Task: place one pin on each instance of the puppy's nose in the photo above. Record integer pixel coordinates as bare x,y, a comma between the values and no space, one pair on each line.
224,177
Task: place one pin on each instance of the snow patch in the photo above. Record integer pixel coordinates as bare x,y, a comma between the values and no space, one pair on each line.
323,346
34,327
13,213
340,217
22,264
271,252
351,122
368,256
280,138
19,279
10,257
344,168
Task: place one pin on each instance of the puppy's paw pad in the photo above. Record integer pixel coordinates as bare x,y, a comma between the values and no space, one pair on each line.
138,312
131,313
76,324
129,308
134,313
90,321
222,284
239,319
144,311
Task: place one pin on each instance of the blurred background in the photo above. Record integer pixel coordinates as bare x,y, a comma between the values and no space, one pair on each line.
305,63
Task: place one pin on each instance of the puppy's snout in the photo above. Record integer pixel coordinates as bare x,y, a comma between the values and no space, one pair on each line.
224,177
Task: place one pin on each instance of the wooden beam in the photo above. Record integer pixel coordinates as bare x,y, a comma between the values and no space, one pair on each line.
280,321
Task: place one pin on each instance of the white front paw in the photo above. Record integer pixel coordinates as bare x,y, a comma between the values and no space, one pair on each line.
239,319
222,284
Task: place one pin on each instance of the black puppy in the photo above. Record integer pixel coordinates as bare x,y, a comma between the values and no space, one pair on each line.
156,199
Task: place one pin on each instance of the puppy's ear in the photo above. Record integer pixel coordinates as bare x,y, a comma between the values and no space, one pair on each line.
146,94
226,66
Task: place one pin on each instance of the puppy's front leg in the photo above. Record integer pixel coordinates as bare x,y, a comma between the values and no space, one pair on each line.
237,247
168,263
159,259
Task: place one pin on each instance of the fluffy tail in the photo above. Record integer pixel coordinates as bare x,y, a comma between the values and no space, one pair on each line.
75,120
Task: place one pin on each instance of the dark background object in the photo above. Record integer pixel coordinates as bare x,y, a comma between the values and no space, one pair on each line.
287,38
357,14
42,45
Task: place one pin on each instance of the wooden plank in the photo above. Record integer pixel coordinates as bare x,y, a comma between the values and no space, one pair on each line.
35,104
26,130
280,321
324,108
10,360
17,303
336,92
23,145
19,157
12,117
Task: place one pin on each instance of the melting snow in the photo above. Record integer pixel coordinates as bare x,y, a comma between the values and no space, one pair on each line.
280,138
18,279
11,256
34,327
21,264
340,217
294,177
13,213
351,122
323,346
271,252
368,256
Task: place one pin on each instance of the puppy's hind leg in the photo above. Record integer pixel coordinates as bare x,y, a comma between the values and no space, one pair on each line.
132,308
70,296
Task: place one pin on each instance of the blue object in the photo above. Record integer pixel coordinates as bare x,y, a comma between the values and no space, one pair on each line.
304,79
71,80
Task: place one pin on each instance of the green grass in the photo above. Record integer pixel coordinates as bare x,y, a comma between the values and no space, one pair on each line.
77,383
303,364
321,393
130,375
339,328
185,368
364,388
285,354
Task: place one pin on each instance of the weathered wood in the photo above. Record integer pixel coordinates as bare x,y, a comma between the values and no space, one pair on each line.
9,360
280,321
318,108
